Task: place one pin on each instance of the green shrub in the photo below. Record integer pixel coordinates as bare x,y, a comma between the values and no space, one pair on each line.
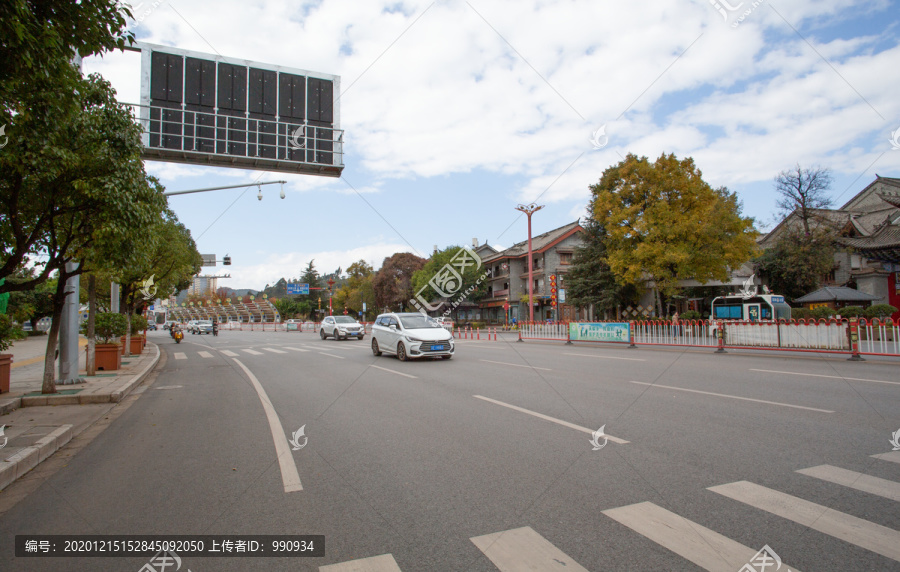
823,312
852,311
801,313
9,332
880,311
690,315
108,327
138,324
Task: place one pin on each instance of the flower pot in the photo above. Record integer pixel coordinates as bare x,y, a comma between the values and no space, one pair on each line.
108,356
5,367
136,345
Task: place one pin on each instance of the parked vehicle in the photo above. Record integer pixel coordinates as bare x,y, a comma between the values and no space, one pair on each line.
341,327
411,335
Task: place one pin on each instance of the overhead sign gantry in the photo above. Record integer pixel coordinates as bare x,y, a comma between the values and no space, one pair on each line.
205,109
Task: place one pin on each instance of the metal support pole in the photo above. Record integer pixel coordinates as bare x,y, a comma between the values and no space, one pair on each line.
68,331
114,298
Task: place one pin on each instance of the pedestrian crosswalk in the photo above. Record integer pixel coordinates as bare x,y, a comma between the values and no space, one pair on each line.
525,549
259,351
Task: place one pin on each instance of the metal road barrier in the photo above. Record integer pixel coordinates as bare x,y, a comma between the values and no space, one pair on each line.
865,337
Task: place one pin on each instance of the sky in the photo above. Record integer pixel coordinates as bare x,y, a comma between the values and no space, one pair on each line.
455,112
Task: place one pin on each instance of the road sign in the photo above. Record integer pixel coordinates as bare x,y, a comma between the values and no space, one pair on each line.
208,259
300,289
562,295
364,306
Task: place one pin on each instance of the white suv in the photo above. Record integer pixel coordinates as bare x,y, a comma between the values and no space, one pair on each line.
341,327
411,335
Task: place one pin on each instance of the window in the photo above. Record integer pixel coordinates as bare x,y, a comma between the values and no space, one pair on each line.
565,258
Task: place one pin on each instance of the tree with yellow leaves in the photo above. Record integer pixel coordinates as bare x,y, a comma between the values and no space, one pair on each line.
664,224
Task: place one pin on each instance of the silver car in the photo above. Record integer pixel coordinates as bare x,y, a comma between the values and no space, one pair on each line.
341,327
202,327
411,335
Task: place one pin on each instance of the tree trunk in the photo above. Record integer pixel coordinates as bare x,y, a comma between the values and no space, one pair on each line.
92,311
127,330
659,313
59,297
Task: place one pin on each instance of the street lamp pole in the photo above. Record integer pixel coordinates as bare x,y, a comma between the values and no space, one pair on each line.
330,295
530,210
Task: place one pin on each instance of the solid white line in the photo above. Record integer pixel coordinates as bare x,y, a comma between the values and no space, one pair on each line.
524,549
253,352
828,376
392,371
604,357
295,349
205,354
228,353
180,355
892,456
330,355
289,475
551,419
852,479
874,537
704,547
515,364
274,351
734,397
383,563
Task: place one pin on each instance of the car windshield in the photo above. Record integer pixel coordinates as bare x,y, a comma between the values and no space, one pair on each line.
417,322
204,323
344,320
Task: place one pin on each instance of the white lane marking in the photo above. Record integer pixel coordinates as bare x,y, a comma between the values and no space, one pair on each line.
734,397
828,376
253,352
168,387
392,371
524,549
274,351
515,364
295,349
383,563
704,547
874,537
852,479
289,475
228,353
551,419
892,456
604,357
205,354
330,355
180,355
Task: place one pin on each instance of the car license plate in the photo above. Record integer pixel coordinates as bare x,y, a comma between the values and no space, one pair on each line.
437,348
354,333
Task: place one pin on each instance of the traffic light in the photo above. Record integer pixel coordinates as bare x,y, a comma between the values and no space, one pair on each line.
227,260
553,290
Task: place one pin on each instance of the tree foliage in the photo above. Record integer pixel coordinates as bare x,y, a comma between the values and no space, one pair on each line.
392,284
356,290
590,280
797,264
433,270
664,223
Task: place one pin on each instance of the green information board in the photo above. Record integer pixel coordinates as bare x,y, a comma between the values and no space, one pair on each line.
599,332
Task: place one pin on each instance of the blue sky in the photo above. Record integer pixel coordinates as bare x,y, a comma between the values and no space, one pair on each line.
454,112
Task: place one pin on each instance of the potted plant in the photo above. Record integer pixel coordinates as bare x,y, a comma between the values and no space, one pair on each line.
109,327
138,325
9,332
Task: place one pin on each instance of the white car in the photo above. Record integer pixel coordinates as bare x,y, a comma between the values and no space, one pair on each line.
341,327
411,335
202,327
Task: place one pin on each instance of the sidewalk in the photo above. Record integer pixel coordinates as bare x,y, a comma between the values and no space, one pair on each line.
38,425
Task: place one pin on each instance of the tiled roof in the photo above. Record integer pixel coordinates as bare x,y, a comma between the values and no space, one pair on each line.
836,294
538,243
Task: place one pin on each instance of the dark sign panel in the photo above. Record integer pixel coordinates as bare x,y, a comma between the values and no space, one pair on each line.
204,109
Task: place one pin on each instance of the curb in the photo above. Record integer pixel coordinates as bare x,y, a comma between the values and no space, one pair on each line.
15,467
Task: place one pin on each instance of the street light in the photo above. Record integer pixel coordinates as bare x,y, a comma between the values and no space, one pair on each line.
530,210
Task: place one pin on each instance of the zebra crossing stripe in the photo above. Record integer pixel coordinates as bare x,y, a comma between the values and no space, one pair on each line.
704,547
228,353
874,537
274,351
295,349
253,352
180,355
383,563
893,456
205,354
524,549
852,479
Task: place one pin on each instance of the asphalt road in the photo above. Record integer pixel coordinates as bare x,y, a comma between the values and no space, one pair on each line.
428,461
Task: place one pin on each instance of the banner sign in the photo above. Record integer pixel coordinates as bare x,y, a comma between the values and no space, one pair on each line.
599,332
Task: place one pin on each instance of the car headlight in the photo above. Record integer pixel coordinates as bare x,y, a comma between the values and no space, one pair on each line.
413,340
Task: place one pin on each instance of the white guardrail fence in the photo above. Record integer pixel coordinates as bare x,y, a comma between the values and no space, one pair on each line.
871,337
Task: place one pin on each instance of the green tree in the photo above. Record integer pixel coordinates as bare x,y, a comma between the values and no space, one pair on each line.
664,224
590,280
473,285
356,290
798,262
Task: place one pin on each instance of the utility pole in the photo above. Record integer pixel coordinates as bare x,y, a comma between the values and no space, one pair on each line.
530,210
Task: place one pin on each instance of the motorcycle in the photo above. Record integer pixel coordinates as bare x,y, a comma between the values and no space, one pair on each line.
178,336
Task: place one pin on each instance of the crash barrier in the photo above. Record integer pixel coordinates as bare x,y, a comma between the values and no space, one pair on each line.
857,337
489,334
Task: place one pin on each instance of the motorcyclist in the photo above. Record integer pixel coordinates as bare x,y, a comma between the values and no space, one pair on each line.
215,327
